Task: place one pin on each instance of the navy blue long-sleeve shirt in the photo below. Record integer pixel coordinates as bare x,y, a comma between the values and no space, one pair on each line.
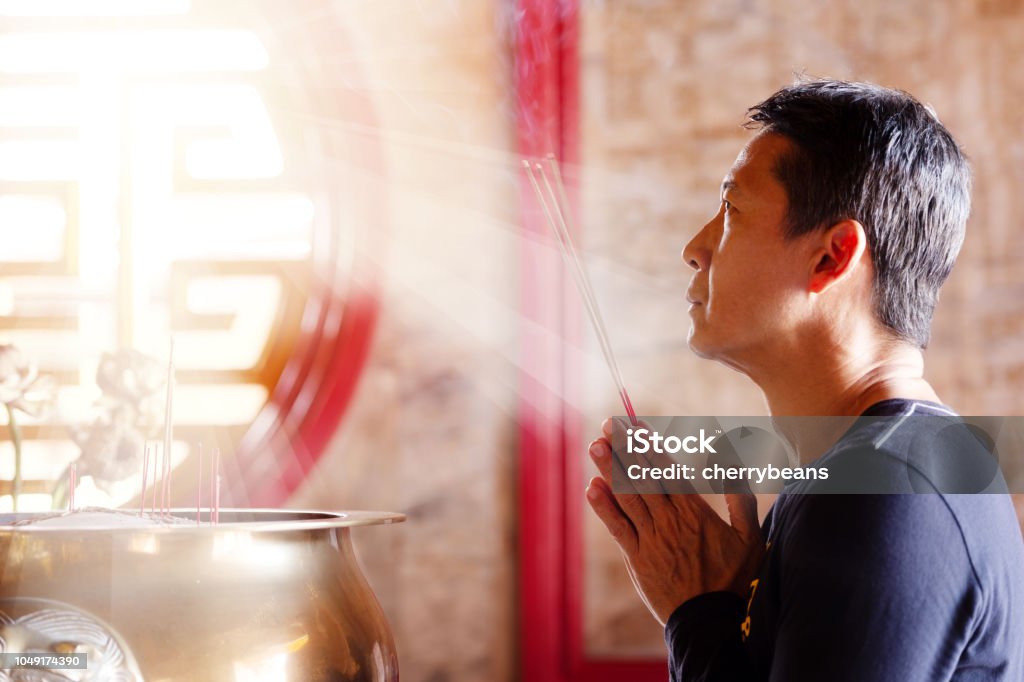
870,587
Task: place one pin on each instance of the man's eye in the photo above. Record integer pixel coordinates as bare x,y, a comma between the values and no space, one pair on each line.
726,204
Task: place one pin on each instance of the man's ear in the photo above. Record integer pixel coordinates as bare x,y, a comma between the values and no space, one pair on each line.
840,249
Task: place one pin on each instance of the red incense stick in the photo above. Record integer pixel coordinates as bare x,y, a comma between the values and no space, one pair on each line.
168,430
165,508
156,488
159,456
145,473
199,487
215,488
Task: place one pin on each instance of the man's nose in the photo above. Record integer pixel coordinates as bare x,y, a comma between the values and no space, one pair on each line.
695,254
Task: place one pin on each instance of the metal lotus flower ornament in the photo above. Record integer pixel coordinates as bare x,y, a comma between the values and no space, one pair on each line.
22,389
131,381
113,445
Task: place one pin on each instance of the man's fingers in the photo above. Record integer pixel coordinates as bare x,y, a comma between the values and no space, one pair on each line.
601,453
601,500
615,431
673,496
743,513
631,503
616,434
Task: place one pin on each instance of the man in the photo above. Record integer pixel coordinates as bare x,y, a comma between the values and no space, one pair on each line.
817,278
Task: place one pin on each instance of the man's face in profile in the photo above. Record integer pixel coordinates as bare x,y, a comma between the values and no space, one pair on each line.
748,294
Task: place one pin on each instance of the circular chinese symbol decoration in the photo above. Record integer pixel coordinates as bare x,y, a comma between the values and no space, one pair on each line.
186,170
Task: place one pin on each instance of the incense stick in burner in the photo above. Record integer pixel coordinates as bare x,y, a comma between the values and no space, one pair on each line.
158,493
199,488
163,478
556,209
168,431
215,488
72,484
145,472
151,452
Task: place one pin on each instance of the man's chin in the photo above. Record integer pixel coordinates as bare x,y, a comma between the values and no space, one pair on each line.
699,345
706,349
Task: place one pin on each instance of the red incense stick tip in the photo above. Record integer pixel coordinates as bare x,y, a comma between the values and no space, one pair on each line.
629,408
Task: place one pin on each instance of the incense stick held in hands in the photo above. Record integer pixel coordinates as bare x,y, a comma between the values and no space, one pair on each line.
555,204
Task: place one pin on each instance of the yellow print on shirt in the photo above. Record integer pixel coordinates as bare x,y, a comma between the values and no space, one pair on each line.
745,625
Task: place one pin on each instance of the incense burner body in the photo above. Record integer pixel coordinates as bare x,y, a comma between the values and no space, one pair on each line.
264,595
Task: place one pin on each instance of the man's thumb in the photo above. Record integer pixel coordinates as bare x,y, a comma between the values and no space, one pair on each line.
743,511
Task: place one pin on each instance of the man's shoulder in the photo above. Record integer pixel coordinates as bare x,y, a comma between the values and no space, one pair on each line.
906,486
930,450
951,564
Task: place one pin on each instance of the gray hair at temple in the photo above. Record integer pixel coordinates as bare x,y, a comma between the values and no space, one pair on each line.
878,156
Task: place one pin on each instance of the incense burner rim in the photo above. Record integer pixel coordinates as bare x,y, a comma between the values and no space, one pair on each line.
229,519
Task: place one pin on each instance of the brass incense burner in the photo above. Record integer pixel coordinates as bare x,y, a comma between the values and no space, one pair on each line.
264,595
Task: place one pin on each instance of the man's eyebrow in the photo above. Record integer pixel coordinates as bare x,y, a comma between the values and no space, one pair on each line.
728,184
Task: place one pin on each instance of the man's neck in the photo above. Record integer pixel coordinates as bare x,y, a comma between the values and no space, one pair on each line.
841,383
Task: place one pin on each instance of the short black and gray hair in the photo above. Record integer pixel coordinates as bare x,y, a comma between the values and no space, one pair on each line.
878,156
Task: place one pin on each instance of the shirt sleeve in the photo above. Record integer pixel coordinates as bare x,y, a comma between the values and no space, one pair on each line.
703,638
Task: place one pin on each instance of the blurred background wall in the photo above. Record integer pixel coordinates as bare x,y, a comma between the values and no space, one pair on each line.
664,89
432,427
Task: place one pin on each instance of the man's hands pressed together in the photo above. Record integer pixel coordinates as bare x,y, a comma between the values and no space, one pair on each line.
675,546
